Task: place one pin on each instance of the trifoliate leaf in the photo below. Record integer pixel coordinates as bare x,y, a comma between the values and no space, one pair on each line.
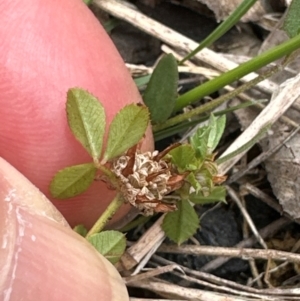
184,158
292,19
126,130
217,127
218,194
111,244
182,224
81,230
72,180
86,118
161,92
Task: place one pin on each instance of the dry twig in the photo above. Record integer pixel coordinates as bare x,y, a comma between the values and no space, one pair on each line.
246,215
152,273
174,291
231,252
295,293
267,231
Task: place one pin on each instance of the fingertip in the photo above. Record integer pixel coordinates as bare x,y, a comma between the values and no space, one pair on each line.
41,258
18,189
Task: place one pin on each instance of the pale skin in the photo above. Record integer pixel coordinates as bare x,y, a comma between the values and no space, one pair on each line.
46,48
41,257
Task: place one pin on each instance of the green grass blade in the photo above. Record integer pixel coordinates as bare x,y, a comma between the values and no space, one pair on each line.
228,23
238,72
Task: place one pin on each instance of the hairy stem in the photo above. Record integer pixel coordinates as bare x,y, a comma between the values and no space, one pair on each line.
106,215
216,102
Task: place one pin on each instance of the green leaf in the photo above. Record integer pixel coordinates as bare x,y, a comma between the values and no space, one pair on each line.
184,158
191,178
206,139
86,118
217,127
182,224
161,92
126,130
218,194
142,80
81,230
111,244
87,2
111,24
292,20
72,180
199,142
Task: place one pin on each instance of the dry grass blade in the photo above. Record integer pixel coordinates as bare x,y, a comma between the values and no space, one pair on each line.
152,273
231,252
174,291
140,299
233,287
145,244
268,231
121,10
262,157
222,289
246,215
262,196
209,278
138,70
277,268
269,115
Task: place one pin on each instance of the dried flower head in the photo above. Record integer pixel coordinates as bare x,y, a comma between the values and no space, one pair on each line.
145,179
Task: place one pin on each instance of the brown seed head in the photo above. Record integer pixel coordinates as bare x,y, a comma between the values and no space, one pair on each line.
147,184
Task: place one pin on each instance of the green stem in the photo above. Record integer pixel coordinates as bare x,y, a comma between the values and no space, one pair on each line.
137,222
109,174
216,102
106,171
224,27
184,126
238,72
106,215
